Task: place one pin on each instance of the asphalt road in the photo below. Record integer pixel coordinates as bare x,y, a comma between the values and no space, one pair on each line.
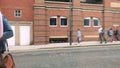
77,57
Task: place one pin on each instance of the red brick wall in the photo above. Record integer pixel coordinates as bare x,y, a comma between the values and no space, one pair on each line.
80,11
40,26
8,7
40,12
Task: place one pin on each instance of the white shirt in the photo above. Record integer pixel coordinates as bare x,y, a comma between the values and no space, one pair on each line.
100,30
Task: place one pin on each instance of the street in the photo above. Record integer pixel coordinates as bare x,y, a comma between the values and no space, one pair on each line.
77,57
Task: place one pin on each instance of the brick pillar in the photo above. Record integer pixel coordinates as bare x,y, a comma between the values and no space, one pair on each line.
76,18
40,24
107,14
76,3
107,3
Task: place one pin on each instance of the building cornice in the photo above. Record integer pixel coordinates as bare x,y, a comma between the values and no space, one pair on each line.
39,6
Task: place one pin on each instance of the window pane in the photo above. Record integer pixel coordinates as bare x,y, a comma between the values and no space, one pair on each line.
17,13
86,22
64,22
95,22
52,21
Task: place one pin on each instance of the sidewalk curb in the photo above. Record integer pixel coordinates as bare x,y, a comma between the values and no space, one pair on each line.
39,47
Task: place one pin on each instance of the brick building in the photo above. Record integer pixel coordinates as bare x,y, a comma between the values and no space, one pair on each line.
20,15
46,21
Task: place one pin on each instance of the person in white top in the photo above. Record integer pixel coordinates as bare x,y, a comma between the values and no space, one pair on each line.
79,35
101,35
100,30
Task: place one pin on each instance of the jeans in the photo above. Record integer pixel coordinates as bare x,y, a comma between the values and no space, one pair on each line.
102,37
78,39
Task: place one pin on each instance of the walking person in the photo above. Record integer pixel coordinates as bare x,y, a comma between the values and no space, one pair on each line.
7,33
101,35
79,35
116,34
110,35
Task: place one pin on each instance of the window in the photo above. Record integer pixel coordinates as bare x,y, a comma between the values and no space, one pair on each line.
91,20
63,21
17,13
53,21
59,0
87,22
96,22
92,1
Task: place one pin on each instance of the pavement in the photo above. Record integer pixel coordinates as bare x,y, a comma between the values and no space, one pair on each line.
59,45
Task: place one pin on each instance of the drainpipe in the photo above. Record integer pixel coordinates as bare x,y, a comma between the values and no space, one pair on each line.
70,13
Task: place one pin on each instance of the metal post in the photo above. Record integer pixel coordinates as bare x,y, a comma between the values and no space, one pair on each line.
70,22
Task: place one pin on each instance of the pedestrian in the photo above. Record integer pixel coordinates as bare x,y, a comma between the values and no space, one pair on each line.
7,33
110,35
116,34
79,35
101,35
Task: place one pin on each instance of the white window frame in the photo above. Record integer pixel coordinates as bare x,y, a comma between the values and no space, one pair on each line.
17,13
89,21
56,21
94,22
60,21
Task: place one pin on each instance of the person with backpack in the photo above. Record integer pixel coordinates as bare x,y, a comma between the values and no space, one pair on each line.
110,35
116,34
7,33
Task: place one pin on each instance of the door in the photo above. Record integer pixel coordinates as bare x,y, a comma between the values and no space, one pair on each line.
24,35
11,41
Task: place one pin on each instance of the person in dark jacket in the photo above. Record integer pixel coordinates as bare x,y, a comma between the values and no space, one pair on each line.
116,34
7,33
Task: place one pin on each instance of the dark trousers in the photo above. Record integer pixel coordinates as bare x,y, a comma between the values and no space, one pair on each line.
102,37
78,39
116,38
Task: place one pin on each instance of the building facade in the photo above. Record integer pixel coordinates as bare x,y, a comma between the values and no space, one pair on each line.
20,15
48,21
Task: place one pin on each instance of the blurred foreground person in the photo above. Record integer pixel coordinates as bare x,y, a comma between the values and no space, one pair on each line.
5,33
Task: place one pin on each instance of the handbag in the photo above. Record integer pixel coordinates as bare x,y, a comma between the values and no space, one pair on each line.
8,61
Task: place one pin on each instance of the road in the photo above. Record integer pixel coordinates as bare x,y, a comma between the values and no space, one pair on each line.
77,57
